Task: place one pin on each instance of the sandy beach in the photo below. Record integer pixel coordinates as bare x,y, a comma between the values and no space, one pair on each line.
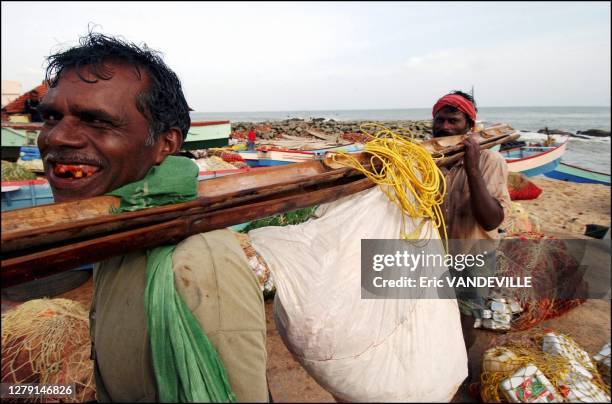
567,207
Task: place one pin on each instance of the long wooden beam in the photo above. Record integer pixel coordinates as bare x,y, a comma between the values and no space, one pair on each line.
44,240
49,261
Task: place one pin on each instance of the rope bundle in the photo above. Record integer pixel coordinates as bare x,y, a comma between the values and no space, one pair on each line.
405,171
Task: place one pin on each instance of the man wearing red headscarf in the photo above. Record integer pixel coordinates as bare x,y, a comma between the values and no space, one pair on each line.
477,198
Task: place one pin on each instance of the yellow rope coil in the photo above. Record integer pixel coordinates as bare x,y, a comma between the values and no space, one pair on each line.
408,175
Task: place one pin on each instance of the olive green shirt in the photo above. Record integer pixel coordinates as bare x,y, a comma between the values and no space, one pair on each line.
212,275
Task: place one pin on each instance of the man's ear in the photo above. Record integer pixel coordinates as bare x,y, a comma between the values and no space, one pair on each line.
168,143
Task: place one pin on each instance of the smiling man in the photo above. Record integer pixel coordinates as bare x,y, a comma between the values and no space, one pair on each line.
93,140
113,116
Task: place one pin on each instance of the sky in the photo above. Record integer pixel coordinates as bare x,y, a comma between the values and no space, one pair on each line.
339,55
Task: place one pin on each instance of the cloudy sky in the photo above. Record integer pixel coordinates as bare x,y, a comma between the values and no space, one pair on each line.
316,56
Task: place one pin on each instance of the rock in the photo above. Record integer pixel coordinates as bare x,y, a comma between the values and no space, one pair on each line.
556,132
595,132
581,137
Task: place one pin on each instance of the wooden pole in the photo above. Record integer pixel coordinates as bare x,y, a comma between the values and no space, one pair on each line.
48,261
44,240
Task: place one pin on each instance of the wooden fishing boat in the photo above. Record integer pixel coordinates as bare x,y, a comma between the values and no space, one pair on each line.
207,134
24,194
568,172
16,135
274,156
535,160
201,135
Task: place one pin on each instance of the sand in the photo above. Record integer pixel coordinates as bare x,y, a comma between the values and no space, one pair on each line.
563,208
567,207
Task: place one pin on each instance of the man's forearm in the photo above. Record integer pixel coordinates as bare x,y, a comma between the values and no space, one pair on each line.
487,210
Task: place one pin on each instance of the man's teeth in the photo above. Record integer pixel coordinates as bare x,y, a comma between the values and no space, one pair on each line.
74,170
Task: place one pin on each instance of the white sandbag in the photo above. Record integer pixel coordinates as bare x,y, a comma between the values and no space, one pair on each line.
359,349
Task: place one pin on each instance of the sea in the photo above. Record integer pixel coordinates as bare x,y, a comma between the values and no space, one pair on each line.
593,153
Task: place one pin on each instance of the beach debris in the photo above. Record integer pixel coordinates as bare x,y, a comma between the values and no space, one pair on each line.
521,188
577,385
529,385
213,163
15,172
499,313
520,221
542,366
602,359
216,159
499,359
34,165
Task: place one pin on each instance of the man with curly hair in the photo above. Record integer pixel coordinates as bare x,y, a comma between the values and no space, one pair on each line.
113,117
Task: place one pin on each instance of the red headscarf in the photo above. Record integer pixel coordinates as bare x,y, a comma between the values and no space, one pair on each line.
458,102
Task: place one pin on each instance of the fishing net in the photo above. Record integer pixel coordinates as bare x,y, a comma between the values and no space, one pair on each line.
47,341
520,188
554,273
257,265
540,367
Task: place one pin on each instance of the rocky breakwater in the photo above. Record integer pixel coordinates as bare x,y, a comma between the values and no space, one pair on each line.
326,128
582,134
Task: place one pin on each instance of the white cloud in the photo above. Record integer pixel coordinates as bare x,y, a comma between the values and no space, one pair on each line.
283,56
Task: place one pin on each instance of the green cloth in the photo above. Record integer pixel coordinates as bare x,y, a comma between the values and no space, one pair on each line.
186,365
175,180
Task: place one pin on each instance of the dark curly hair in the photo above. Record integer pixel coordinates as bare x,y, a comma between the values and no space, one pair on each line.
162,103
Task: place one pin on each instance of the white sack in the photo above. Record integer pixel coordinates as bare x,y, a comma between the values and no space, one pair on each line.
358,349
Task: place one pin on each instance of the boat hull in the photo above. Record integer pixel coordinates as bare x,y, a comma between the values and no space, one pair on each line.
536,160
567,172
266,158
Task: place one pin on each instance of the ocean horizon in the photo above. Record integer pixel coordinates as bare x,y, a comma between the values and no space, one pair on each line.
593,153
568,118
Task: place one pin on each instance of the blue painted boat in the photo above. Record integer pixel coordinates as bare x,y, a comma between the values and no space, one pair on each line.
25,194
535,160
568,172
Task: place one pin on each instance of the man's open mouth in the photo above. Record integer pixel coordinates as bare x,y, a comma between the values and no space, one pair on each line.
74,171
